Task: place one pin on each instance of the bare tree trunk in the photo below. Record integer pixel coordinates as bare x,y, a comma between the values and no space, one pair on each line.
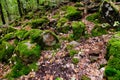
19,8
1,13
7,11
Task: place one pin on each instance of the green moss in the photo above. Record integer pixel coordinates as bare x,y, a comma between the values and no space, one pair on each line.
114,63
78,29
72,13
84,77
37,23
33,34
113,46
56,16
48,38
27,51
73,52
112,70
20,34
58,78
75,60
6,51
11,29
8,36
20,69
95,17
62,25
69,47
61,21
98,30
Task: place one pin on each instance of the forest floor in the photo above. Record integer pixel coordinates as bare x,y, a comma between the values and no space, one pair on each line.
58,63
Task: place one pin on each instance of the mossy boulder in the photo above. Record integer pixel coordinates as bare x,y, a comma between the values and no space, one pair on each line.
20,34
28,51
112,70
48,38
98,30
43,38
95,17
33,34
8,36
109,12
78,29
38,23
72,13
62,25
6,51
20,69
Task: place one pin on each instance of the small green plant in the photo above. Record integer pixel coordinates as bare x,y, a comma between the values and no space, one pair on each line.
58,78
73,52
84,77
75,60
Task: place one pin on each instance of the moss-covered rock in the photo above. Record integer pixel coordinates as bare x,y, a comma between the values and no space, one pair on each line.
6,51
20,34
109,12
113,46
98,30
20,69
95,17
78,29
33,34
28,51
48,38
72,13
38,23
62,25
112,70
8,36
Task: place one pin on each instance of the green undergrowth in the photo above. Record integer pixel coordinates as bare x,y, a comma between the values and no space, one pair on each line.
112,70
78,29
71,13
21,49
95,17
38,23
98,30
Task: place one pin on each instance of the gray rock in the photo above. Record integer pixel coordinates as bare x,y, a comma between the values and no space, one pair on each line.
109,12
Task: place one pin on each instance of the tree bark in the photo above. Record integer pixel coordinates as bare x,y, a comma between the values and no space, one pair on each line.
7,11
38,3
2,15
19,8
